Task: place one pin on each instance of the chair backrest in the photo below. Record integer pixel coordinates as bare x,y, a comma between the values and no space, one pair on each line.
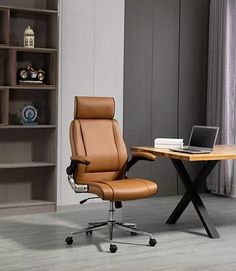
95,134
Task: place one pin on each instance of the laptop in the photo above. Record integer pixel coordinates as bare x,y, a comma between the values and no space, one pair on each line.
202,140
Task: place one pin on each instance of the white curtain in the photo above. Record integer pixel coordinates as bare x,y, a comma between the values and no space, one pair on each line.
221,98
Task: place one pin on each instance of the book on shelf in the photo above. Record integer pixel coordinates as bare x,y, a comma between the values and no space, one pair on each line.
168,143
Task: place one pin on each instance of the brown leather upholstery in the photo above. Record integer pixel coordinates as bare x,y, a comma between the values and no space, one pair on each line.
96,136
124,189
100,108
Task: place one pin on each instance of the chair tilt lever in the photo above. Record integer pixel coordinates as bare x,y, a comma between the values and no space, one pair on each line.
84,200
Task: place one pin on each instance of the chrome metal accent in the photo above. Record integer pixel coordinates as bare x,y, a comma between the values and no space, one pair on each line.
131,229
111,223
92,228
78,188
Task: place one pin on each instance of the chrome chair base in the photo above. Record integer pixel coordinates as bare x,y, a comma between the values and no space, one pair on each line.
111,224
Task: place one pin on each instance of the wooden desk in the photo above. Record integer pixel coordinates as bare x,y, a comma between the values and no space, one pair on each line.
221,152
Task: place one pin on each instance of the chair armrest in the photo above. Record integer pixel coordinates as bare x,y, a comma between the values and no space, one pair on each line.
75,160
144,155
80,159
137,156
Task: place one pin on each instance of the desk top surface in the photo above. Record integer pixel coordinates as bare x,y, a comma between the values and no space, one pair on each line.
220,152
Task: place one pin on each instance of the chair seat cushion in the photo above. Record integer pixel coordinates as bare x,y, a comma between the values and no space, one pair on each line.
124,189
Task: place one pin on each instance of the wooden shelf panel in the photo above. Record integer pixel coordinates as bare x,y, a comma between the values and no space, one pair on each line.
27,203
4,98
30,10
4,26
25,49
30,87
26,207
27,127
26,165
6,67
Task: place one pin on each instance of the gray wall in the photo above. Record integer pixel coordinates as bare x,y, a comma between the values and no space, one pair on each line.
91,64
165,67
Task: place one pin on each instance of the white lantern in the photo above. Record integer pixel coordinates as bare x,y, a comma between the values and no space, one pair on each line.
29,37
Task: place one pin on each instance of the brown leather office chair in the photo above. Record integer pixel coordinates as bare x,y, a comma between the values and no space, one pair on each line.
99,163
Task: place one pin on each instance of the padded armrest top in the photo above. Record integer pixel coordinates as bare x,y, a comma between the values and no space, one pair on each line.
145,155
81,158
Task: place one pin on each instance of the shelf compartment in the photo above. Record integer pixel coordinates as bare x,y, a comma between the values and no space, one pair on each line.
4,72
31,5
44,61
7,67
27,146
41,23
44,101
4,26
25,184
4,105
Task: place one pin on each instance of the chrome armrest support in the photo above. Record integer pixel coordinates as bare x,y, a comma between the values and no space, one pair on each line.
78,188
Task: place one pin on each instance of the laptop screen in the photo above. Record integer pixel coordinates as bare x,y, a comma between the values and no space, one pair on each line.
203,136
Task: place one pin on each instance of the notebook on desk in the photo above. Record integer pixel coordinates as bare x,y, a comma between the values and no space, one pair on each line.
202,140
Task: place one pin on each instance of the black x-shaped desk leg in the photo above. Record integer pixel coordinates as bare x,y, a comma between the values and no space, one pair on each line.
191,194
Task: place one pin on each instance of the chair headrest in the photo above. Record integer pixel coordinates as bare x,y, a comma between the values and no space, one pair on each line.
94,108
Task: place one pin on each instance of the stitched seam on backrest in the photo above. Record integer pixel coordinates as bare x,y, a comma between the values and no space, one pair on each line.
71,134
113,128
85,151
82,135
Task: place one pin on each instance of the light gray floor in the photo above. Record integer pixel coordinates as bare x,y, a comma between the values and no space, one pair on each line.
36,242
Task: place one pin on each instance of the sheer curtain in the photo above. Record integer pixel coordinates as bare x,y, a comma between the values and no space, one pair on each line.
221,97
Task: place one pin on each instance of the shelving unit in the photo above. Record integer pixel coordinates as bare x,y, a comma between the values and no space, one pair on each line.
28,153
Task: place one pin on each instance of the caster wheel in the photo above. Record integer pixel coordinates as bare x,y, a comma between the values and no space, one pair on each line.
89,232
152,242
69,240
113,248
133,233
